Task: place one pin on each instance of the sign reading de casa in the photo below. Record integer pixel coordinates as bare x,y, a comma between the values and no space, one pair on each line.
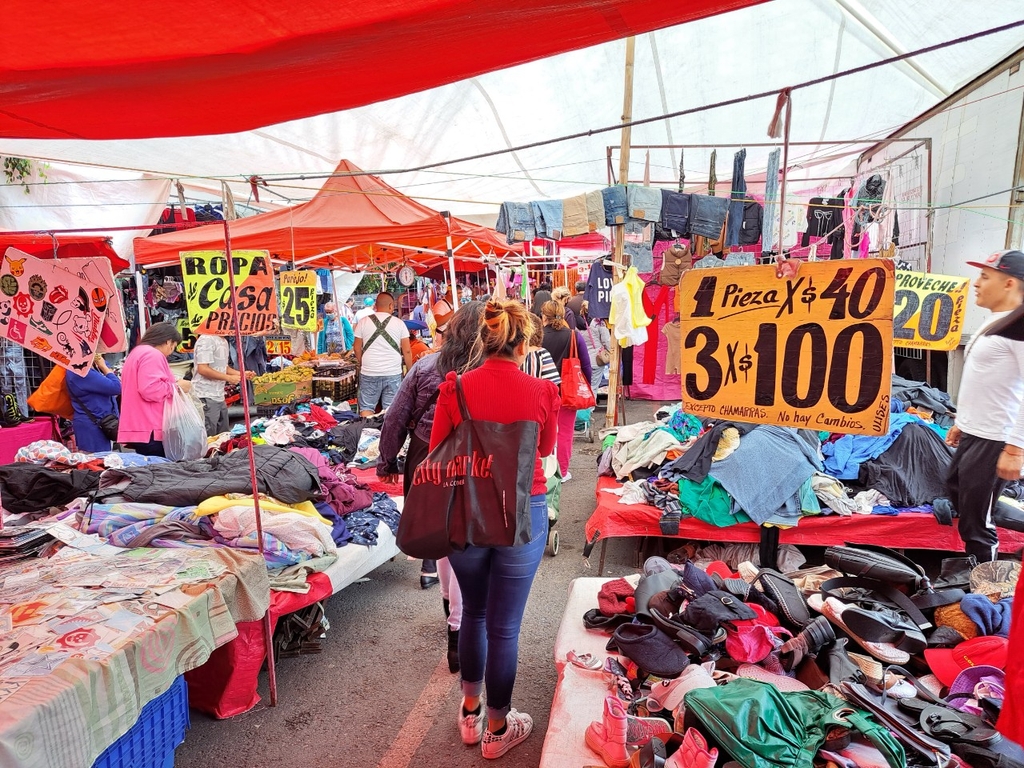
929,310
208,292
813,351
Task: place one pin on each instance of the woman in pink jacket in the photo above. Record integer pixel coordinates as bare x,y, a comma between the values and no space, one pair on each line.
147,384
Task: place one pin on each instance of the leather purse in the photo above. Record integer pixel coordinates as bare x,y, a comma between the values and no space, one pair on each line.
879,564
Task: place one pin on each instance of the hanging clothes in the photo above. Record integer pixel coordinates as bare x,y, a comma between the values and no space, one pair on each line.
771,200
737,199
627,314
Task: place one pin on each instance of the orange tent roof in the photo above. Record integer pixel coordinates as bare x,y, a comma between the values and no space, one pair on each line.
356,221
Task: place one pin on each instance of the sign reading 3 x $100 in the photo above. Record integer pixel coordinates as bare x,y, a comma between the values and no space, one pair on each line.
812,351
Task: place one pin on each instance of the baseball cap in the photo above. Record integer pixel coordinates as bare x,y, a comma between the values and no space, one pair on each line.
442,312
1007,262
947,663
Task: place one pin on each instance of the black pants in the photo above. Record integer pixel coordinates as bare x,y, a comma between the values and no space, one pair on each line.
152,448
973,488
418,450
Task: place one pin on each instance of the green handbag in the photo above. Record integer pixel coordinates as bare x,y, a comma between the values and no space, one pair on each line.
762,727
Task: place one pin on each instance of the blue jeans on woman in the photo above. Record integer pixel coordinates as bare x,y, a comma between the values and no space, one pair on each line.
495,584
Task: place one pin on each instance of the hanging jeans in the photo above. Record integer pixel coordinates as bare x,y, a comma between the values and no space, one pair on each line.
13,379
771,199
739,193
566,427
495,585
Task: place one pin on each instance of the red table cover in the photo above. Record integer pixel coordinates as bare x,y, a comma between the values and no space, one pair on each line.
909,530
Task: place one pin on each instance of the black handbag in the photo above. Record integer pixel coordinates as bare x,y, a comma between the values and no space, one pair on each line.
878,563
471,490
108,425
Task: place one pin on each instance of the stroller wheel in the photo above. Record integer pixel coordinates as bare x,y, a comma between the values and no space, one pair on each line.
553,542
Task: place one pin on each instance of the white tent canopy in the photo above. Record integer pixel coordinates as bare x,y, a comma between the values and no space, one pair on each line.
769,46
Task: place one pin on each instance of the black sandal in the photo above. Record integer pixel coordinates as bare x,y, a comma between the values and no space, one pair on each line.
955,727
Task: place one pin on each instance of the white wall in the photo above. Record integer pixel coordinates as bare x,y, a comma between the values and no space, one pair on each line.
974,146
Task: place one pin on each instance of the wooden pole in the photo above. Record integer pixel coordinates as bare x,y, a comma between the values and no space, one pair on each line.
611,410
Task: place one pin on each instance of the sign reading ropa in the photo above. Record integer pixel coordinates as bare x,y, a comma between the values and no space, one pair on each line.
929,310
208,292
812,351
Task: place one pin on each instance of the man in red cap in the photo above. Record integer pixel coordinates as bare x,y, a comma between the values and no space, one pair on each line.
989,429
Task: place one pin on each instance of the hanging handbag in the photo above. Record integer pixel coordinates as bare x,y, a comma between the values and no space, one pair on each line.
108,425
471,490
52,395
603,356
576,392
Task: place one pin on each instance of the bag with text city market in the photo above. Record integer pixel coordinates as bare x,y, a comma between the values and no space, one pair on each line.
471,490
576,391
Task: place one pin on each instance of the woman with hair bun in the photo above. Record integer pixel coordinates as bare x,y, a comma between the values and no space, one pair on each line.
558,335
496,581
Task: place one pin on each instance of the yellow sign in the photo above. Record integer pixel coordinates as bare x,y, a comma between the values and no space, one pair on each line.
812,351
929,310
208,292
298,300
188,339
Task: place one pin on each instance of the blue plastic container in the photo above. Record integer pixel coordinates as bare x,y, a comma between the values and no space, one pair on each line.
151,742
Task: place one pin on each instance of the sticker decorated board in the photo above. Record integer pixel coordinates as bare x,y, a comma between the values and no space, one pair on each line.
929,310
811,352
114,334
298,300
208,292
49,310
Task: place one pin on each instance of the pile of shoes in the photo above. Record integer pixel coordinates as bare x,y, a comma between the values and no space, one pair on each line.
847,664
301,632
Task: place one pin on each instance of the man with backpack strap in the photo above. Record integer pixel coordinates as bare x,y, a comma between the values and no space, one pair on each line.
382,347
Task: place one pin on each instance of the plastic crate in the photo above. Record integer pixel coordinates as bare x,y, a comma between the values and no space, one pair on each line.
151,742
337,388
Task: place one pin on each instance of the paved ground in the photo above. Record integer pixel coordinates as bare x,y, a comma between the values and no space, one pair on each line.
380,694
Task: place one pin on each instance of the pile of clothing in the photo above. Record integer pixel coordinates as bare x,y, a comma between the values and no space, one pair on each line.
818,666
309,504
726,472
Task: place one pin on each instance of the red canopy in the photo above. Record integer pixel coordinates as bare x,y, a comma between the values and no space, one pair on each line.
357,222
68,247
112,70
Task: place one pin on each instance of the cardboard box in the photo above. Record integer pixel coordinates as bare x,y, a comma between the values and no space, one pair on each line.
282,393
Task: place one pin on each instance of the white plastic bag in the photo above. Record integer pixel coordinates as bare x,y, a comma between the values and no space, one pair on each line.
184,431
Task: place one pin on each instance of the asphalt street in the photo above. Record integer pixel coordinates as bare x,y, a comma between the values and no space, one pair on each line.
379,695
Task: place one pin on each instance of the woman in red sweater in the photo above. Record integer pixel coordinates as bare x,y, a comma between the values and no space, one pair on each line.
496,581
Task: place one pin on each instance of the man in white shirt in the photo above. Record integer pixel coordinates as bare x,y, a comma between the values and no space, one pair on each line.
210,373
989,429
381,346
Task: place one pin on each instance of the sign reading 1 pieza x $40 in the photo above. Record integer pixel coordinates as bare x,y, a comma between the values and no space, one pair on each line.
812,351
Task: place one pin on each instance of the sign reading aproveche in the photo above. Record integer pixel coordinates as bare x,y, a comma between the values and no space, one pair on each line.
208,292
929,310
812,351
298,300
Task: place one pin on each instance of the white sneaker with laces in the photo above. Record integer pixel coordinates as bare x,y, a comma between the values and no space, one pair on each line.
518,725
567,477
471,727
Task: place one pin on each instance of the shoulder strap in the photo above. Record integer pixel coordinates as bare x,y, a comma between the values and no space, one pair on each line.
573,352
80,404
461,397
381,332
884,593
418,416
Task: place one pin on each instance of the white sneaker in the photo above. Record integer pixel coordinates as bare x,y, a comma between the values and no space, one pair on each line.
518,725
567,477
471,727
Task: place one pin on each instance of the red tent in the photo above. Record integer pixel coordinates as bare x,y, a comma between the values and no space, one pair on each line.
67,247
354,221
107,70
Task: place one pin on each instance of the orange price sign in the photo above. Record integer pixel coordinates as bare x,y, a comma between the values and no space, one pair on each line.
813,351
